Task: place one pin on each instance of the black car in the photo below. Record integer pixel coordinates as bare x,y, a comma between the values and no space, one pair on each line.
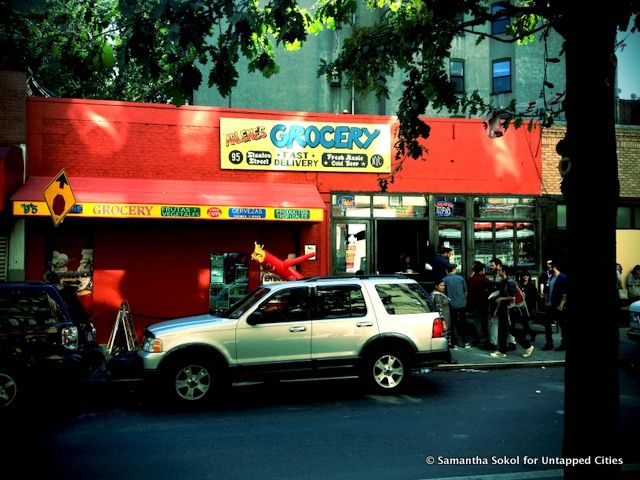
45,334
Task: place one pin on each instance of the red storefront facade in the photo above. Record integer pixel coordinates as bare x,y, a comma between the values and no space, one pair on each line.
171,201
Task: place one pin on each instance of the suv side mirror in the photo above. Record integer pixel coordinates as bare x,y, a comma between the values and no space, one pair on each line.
255,318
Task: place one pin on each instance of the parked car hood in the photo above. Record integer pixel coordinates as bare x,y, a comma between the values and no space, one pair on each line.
206,321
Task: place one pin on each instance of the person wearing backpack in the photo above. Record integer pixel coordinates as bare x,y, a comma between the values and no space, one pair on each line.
505,298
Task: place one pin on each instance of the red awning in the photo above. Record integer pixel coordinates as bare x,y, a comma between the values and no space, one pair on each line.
129,197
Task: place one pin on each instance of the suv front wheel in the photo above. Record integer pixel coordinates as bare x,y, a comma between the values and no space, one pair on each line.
193,380
387,371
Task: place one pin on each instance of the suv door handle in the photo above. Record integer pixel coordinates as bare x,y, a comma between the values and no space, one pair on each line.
298,328
364,324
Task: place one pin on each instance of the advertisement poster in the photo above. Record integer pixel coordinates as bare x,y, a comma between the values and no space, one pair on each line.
259,144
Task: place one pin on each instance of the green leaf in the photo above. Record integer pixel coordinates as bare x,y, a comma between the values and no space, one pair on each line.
108,57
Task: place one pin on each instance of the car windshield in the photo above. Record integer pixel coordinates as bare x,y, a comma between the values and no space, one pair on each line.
77,311
239,308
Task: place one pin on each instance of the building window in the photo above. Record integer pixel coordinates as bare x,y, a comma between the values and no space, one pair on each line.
459,20
456,74
229,279
512,242
561,215
507,208
501,75
628,218
351,205
500,22
504,227
623,218
399,206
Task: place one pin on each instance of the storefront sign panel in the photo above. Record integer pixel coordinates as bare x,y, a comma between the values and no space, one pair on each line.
259,144
206,212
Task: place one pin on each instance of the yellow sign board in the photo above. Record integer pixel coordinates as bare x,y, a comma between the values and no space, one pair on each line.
301,146
201,212
59,197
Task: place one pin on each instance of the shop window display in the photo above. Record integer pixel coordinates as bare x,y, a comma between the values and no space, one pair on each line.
229,279
72,265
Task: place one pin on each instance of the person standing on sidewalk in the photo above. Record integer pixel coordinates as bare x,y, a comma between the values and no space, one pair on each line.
506,297
442,302
441,263
457,292
496,266
556,307
543,279
633,284
479,288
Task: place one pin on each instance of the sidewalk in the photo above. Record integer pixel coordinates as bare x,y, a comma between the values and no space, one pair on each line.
479,359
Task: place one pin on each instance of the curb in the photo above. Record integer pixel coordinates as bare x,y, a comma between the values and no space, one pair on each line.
499,365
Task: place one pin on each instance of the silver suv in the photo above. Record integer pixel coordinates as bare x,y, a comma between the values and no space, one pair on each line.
378,327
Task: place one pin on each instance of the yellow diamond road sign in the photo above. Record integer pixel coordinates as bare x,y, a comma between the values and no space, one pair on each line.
59,197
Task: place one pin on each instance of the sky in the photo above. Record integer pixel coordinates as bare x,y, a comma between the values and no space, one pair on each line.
629,65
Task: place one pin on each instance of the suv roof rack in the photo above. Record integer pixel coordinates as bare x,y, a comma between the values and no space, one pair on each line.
353,276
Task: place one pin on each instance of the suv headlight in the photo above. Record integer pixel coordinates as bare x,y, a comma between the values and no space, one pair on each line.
152,345
70,338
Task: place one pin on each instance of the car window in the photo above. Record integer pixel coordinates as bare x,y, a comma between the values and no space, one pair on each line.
343,301
403,298
239,308
288,305
28,308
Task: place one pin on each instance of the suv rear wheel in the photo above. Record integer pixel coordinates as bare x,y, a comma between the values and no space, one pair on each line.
387,371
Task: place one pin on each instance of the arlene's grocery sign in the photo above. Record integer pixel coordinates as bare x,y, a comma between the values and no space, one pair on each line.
259,144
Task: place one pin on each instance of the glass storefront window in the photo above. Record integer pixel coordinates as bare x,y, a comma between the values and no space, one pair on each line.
229,279
504,207
513,243
450,235
504,248
447,206
504,227
399,206
351,247
526,246
350,205
483,240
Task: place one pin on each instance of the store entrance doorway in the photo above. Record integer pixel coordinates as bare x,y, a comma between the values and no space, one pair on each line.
397,237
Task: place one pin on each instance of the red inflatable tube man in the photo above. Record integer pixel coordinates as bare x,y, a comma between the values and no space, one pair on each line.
273,264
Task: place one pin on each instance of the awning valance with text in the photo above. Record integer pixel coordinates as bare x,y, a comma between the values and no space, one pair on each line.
176,199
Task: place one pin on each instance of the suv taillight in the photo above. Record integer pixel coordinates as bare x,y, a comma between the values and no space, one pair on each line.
438,328
70,338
